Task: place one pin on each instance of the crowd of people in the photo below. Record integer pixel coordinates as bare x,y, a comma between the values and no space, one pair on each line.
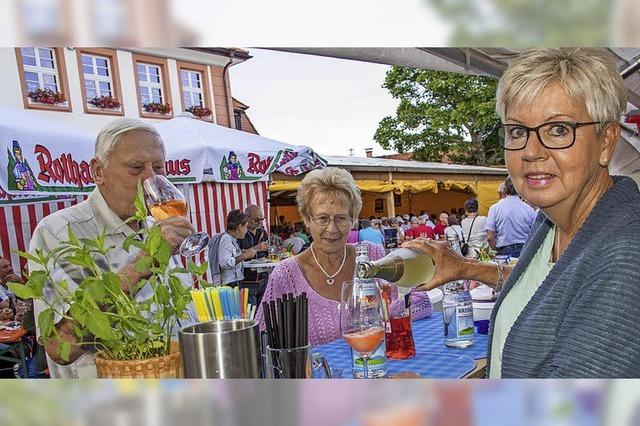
560,109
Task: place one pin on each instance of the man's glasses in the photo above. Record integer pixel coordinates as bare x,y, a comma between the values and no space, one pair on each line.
257,219
552,135
341,220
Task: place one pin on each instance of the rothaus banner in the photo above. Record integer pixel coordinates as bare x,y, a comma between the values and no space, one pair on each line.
234,156
43,158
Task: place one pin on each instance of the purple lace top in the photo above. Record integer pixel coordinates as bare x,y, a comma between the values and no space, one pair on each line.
324,320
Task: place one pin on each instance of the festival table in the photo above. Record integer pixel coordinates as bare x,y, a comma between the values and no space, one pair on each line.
260,265
13,340
433,359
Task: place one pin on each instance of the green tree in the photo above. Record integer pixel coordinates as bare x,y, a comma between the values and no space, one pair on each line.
527,23
442,113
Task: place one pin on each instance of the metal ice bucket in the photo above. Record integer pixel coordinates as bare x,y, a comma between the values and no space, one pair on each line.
228,349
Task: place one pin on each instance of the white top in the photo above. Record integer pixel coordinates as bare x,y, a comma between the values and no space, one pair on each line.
296,244
452,230
229,249
517,299
476,237
87,220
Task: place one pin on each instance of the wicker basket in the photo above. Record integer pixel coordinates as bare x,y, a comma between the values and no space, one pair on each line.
162,367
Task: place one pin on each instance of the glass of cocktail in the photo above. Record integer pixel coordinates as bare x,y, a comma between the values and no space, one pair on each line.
362,321
164,200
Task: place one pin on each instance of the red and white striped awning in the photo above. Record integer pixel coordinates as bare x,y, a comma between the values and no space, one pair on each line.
209,204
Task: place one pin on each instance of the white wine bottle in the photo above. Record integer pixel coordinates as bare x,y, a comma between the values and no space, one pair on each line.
403,267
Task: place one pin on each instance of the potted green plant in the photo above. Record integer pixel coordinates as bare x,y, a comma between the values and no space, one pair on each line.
132,338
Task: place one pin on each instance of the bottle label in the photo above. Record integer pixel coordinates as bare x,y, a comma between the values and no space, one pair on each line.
376,364
464,315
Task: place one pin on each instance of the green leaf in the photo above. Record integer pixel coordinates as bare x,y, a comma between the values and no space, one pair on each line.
111,282
64,350
197,269
154,239
98,324
162,294
30,257
45,322
164,253
95,287
72,236
144,264
178,270
141,206
36,281
21,291
78,313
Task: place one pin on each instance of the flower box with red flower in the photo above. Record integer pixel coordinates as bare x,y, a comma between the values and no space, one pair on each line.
199,111
157,108
46,97
105,102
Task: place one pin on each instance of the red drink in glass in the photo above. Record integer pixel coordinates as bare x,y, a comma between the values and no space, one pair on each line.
399,341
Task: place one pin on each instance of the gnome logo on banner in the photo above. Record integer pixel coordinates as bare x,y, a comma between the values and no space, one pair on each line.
20,176
230,168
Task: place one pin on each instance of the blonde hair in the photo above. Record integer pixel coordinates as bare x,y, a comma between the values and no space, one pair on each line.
330,181
588,75
110,135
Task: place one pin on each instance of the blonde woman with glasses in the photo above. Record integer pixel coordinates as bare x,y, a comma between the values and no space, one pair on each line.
570,307
329,201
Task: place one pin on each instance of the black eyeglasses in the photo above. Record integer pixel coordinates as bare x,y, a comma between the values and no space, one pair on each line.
257,219
552,135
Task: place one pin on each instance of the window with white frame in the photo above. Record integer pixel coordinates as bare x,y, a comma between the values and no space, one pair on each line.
98,78
150,83
40,69
192,88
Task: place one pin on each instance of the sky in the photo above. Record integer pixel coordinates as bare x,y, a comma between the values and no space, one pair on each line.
328,104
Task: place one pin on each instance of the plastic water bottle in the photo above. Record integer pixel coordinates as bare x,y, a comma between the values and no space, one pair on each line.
457,308
457,311
377,362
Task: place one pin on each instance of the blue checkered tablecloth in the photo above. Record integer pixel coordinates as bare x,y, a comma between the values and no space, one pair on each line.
433,359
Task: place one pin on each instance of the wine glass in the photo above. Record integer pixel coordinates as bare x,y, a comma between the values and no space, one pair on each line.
164,200
362,322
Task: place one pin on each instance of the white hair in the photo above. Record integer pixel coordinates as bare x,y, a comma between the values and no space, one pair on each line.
330,181
110,135
587,75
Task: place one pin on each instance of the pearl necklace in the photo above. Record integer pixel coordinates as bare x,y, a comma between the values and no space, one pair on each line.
330,278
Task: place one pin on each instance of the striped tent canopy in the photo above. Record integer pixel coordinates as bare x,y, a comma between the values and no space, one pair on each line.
209,204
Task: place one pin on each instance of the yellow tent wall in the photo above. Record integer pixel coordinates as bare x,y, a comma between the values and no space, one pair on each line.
487,195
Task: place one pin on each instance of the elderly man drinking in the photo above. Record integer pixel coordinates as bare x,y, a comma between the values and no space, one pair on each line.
126,151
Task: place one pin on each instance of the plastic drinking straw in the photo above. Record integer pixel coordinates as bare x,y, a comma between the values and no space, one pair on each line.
217,304
225,303
246,298
196,304
203,306
206,303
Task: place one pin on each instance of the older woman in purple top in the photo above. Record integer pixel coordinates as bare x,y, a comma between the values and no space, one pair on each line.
329,201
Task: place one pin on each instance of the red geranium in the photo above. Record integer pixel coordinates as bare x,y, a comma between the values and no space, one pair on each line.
199,111
158,108
46,96
105,102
